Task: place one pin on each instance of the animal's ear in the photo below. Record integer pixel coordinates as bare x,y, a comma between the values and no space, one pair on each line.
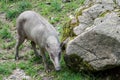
62,45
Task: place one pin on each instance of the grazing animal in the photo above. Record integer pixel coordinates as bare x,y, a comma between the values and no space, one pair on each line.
32,26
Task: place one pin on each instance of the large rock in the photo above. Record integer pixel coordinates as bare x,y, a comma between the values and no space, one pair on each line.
95,36
90,13
85,16
98,48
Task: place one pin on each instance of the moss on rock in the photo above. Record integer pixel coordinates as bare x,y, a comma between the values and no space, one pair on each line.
68,29
76,63
68,26
104,13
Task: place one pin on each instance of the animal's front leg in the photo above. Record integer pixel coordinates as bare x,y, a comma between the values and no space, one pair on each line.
44,60
34,48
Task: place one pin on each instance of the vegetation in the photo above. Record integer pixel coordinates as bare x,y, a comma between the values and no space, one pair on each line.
57,14
21,6
4,32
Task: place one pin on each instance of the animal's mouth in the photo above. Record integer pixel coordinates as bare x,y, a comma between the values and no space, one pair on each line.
57,64
57,68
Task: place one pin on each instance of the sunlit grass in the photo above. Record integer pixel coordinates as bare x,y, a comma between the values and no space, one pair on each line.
6,68
20,7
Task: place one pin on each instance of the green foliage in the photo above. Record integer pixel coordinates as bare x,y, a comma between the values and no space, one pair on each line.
67,75
56,6
1,77
8,45
11,14
4,6
1,25
82,1
29,67
54,20
21,6
24,5
46,8
59,29
7,0
104,13
6,69
5,32
6,56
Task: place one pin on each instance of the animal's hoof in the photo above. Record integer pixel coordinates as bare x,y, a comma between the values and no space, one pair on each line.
16,58
47,70
57,68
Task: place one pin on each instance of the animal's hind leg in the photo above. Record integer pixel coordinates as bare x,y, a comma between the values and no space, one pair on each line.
34,48
19,42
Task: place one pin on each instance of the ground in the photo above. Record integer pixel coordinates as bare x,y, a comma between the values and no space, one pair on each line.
29,67
57,13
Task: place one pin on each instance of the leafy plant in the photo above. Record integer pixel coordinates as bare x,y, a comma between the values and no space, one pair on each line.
3,5
54,20
24,5
8,45
7,0
5,32
11,14
21,6
82,1
6,69
56,6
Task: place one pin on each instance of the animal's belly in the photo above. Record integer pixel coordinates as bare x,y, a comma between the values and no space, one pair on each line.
29,37
34,36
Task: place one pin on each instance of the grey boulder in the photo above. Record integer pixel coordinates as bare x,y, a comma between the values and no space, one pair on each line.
98,47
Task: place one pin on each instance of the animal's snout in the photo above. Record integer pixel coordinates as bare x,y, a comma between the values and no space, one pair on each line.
57,68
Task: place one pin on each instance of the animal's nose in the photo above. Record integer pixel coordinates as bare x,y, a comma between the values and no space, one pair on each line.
57,68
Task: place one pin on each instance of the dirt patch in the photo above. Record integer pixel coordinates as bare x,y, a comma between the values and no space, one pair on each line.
2,17
18,74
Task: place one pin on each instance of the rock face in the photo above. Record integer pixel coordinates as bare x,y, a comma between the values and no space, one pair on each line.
91,13
97,44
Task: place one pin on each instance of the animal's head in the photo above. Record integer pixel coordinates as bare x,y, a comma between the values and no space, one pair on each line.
54,50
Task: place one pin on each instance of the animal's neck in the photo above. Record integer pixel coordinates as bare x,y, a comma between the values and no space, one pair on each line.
52,39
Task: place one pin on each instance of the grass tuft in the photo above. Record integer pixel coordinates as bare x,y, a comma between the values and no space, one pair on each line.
5,32
11,14
56,6
6,69
21,6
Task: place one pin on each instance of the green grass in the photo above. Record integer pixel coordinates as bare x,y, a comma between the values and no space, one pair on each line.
8,45
6,37
6,69
5,32
20,7
56,6
57,14
32,69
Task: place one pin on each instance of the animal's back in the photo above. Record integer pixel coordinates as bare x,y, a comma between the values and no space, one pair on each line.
33,25
29,20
